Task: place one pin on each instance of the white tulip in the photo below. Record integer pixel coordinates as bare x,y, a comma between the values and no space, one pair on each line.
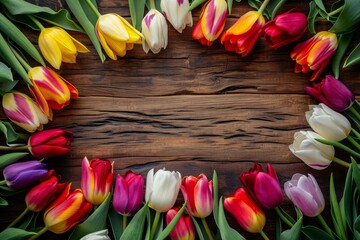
177,13
155,31
99,235
329,124
162,189
313,153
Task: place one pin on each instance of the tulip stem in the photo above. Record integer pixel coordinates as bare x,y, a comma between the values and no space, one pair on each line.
18,218
152,4
353,111
353,141
263,6
37,23
341,162
282,217
38,234
93,8
154,226
13,149
326,227
125,219
339,145
207,229
336,11
263,235
3,182
21,60
356,133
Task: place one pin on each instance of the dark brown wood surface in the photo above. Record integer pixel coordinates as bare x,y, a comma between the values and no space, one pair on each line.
189,108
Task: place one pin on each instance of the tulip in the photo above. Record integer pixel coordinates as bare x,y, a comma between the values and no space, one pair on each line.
198,194
50,90
211,22
184,229
162,189
285,28
313,153
50,143
23,111
263,187
315,53
96,179
155,31
116,35
128,193
177,13
66,212
40,196
57,46
241,37
333,93
21,175
306,194
99,235
247,213
329,124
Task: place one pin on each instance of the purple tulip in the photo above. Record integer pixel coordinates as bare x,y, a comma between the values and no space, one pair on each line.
306,194
128,193
333,93
23,174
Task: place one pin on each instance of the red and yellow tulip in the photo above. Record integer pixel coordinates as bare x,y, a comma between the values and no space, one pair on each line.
50,90
184,228
96,179
241,36
315,53
211,22
23,111
57,46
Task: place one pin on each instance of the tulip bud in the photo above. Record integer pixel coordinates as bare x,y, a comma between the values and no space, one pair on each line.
40,196
67,211
128,193
23,111
57,46
177,13
21,175
198,194
244,209
306,194
241,36
329,124
285,28
96,179
99,235
116,35
333,93
184,228
155,31
211,22
313,153
162,189
50,143
50,90
263,187
315,53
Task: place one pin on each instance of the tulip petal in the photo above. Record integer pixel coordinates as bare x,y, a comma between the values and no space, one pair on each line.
105,46
49,49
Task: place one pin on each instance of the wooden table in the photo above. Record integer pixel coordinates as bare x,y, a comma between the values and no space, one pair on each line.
189,108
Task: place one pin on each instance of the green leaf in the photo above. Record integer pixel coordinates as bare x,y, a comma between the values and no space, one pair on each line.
135,228
89,27
313,12
172,224
314,233
10,135
274,6
216,197
137,8
199,228
321,7
225,230
278,227
6,78
353,58
335,211
357,228
8,158
355,173
116,223
18,9
95,222
15,234
294,232
8,192
349,18
28,220
194,4
285,214
344,42
3,202
9,57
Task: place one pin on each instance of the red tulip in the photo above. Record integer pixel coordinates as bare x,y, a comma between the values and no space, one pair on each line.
184,229
248,214
50,143
263,187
